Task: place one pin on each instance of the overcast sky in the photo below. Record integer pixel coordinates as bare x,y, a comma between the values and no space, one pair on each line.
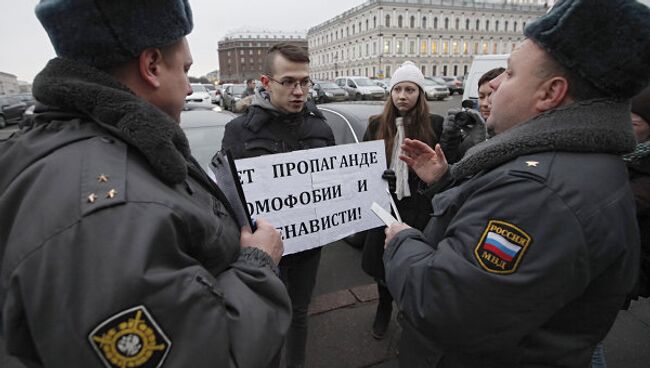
26,47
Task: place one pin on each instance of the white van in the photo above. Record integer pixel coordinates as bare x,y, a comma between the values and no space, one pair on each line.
480,66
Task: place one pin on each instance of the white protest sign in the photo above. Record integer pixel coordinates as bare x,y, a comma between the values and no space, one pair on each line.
317,196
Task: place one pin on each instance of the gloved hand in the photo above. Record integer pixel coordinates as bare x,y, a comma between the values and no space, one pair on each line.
389,176
476,133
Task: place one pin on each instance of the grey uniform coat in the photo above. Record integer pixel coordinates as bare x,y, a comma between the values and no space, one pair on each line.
526,262
115,248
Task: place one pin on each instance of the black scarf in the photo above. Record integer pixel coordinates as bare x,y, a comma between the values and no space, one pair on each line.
74,87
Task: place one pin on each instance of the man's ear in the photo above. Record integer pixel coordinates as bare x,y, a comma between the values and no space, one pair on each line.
265,81
553,93
149,66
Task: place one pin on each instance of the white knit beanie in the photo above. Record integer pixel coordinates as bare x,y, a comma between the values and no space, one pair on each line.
407,72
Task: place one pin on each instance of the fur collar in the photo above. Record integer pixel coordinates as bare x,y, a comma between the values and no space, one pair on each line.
74,87
601,126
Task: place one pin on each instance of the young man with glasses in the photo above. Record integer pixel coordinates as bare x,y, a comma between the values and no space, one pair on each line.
280,119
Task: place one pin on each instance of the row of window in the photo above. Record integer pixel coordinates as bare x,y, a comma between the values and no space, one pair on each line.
433,69
497,26
426,48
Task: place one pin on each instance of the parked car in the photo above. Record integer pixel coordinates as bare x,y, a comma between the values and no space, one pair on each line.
329,92
11,110
199,94
204,126
435,91
361,88
212,91
454,84
349,120
232,94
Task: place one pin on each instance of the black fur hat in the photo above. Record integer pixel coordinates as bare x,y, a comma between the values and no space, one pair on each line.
105,33
606,42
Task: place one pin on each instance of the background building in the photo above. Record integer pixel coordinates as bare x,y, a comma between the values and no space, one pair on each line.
8,84
241,53
441,36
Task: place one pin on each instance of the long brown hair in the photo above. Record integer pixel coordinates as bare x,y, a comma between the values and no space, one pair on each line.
418,126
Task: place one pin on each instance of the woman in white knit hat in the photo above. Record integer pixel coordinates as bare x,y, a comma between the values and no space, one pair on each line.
406,115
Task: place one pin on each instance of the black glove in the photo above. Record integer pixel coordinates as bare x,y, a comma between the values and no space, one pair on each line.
389,176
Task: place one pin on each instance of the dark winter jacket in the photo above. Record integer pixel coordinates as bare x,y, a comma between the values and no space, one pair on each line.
526,262
639,173
414,210
264,130
113,241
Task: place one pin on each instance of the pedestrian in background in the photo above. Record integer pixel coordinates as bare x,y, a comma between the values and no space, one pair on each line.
485,91
116,248
533,247
281,119
406,114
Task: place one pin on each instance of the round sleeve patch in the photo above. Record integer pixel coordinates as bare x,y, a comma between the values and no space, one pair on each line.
130,338
501,247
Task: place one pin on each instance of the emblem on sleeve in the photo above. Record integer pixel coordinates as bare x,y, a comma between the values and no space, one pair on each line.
501,247
130,339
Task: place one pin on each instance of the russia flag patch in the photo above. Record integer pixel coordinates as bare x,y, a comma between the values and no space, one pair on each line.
501,247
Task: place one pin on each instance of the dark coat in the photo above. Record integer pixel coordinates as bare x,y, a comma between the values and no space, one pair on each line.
263,130
105,212
639,172
526,262
414,210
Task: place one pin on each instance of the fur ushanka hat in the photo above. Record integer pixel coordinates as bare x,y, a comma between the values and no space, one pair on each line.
606,42
104,33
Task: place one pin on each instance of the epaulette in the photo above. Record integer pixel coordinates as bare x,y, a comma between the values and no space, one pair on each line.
103,174
535,166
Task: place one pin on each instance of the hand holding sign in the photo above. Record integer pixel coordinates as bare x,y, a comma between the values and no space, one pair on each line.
266,238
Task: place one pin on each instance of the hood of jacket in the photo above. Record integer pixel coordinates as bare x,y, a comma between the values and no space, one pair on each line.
598,126
73,89
262,111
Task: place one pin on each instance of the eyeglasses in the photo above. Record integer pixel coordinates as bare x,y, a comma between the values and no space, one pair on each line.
292,83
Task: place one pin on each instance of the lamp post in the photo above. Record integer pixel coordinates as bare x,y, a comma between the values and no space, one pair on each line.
380,71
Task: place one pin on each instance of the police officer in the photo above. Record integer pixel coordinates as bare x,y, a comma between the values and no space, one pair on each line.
528,258
116,248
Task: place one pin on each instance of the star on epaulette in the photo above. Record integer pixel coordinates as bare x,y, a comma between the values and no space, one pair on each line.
102,178
532,163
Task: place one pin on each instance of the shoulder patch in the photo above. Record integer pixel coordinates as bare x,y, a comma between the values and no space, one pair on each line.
502,247
130,338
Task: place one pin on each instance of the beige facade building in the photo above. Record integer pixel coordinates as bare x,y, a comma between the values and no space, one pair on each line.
241,53
441,36
8,84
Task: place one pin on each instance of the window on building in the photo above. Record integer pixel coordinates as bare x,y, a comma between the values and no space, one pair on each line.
455,70
423,47
374,48
446,23
241,52
457,23
386,47
478,24
496,26
514,27
467,24
374,22
465,70
387,20
250,52
523,25
387,71
242,60
505,26
434,69
485,47
399,47
465,48
455,47
444,70
434,47
423,69
494,48
412,47
353,27
487,25
228,53
367,49
424,22
367,24
412,23
445,47
400,21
